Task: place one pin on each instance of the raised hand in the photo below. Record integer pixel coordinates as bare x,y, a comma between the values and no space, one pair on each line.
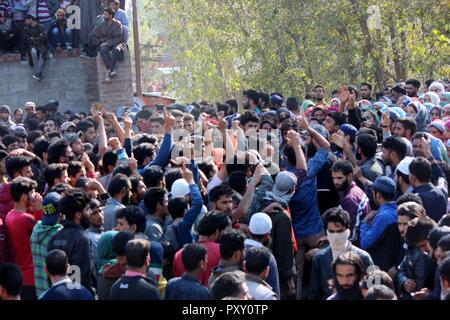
302,122
169,119
293,138
338,140
187,174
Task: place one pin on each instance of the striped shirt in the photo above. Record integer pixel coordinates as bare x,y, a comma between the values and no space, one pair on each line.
18,15
43,13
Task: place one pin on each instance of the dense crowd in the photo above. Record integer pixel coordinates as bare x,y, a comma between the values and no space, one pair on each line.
276,199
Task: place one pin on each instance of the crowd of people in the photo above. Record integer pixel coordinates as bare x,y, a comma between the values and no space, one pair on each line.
275,199
37,29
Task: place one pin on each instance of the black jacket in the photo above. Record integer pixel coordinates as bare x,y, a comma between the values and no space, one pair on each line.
134,288
387,247
72,239
282,247
416,266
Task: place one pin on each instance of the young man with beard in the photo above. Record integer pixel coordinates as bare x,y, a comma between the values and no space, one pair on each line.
402,176
336,221
231,253
394,150
72,239
417,269
251,100
366,149
95,230
366,91
412,88
405,213
19,225
120,191
352,198
435,199
348,270
156,200
319,92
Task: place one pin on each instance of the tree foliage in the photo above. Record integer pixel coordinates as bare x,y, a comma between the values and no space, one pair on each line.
223,47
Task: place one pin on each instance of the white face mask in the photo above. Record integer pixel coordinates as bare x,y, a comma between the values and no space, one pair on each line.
338,241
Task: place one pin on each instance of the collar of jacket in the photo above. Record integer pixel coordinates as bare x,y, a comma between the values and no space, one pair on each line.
424,187
257,279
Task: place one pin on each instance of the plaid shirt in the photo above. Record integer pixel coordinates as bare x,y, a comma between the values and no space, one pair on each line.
40,238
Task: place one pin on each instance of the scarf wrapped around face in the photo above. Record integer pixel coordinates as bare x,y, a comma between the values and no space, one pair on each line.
445,99
433,97
105,253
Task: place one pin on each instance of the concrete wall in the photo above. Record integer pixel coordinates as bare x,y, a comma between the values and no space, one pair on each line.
118,92
71,80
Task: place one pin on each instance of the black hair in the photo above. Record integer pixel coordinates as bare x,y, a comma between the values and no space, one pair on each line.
153,197
192,255
172,175
118,183
248,116
143,114
444,243
368,144
120,241
338,117
84,125
397,145
353,259
230,242
56,262
411,210
409,197
421,169
177,206
252,95
444,269
380,292
143,151
368,85
109,159
212,222
133,215
257,259
343,166
238,181
409,124
418,230
54,171
436,234
11,278
136,252
445,220
40,146
414,82
336,215
56,150
221,190
144,138
134,180
122,168
15,164
153,176
228,284
72,202
292,103
74,168
21,186
399,88
9,139
429,82
233,104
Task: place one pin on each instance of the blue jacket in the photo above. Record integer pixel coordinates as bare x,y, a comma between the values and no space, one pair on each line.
163,156
303,206
182,233
434,200
386,215
186,288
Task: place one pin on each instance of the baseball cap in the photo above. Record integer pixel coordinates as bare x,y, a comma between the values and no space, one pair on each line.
66,125
180,188
260,224
385,185
73,137
50,206
284,182
403,165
